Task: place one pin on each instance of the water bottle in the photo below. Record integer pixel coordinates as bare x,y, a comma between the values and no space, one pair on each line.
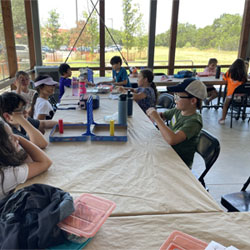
217,75
130,103
74,86
90,75
122,110
82,85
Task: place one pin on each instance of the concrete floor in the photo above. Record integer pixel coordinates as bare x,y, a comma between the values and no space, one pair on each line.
232,167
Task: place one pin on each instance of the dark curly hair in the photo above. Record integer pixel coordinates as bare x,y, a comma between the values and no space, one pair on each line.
9,156
9,101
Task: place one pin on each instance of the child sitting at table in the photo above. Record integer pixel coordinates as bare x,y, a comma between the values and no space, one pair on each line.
210,70
13,111
64,81
235,76
146,94
20,160
185,123
22,83
41,107
120,76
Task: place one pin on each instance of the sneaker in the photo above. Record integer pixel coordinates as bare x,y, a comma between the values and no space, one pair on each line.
206,102
221,122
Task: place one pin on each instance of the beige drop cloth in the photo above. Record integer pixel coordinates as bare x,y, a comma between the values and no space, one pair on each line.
143,175
149,232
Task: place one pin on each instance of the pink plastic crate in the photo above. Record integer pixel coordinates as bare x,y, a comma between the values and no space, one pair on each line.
90,214
181,241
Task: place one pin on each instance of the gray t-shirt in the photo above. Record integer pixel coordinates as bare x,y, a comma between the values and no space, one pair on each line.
13,176
149,101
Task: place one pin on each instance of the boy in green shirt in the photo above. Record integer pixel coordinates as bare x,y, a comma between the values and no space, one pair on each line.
185,123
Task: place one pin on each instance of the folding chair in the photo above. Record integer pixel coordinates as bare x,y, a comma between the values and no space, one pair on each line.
165,101
240,102
237,202
209,149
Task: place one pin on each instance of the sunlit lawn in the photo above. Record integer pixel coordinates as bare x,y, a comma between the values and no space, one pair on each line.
183,56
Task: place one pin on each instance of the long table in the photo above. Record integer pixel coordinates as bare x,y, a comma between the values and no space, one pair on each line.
143,175
154,191
159,81
149,232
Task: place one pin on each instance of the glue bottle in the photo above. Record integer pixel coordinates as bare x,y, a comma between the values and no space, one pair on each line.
122,110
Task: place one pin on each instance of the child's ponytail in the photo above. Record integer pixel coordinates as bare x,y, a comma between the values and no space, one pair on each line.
147,73
32,107
153,86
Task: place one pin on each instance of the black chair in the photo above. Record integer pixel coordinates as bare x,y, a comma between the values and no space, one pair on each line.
240,102
165,101
237,202
209,149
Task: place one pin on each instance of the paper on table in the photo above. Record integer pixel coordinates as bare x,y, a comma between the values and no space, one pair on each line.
216,246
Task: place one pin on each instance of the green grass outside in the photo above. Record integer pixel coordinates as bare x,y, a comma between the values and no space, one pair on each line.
183,56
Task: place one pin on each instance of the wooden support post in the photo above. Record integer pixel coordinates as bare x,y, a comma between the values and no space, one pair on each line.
9,36
173,36
28,14
102,37
151,40
244,44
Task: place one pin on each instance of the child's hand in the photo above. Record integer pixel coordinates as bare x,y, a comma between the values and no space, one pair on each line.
18,117
15,141
91,84
152,113
121,89
161,115
18,84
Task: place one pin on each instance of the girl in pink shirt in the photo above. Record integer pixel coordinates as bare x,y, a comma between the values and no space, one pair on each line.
210,70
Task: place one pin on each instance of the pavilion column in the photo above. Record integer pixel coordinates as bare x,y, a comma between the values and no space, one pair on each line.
151,40
28,13
9,37
244,45
102,37
173,36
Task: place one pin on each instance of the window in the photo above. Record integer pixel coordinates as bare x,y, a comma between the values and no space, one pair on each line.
127,21
4,70
61,23
162,36
208,31
20,32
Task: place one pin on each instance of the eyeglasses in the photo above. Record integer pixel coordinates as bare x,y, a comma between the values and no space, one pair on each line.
177,97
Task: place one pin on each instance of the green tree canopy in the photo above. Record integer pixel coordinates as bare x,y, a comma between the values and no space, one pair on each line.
223,34
131,20
92,30
50,33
